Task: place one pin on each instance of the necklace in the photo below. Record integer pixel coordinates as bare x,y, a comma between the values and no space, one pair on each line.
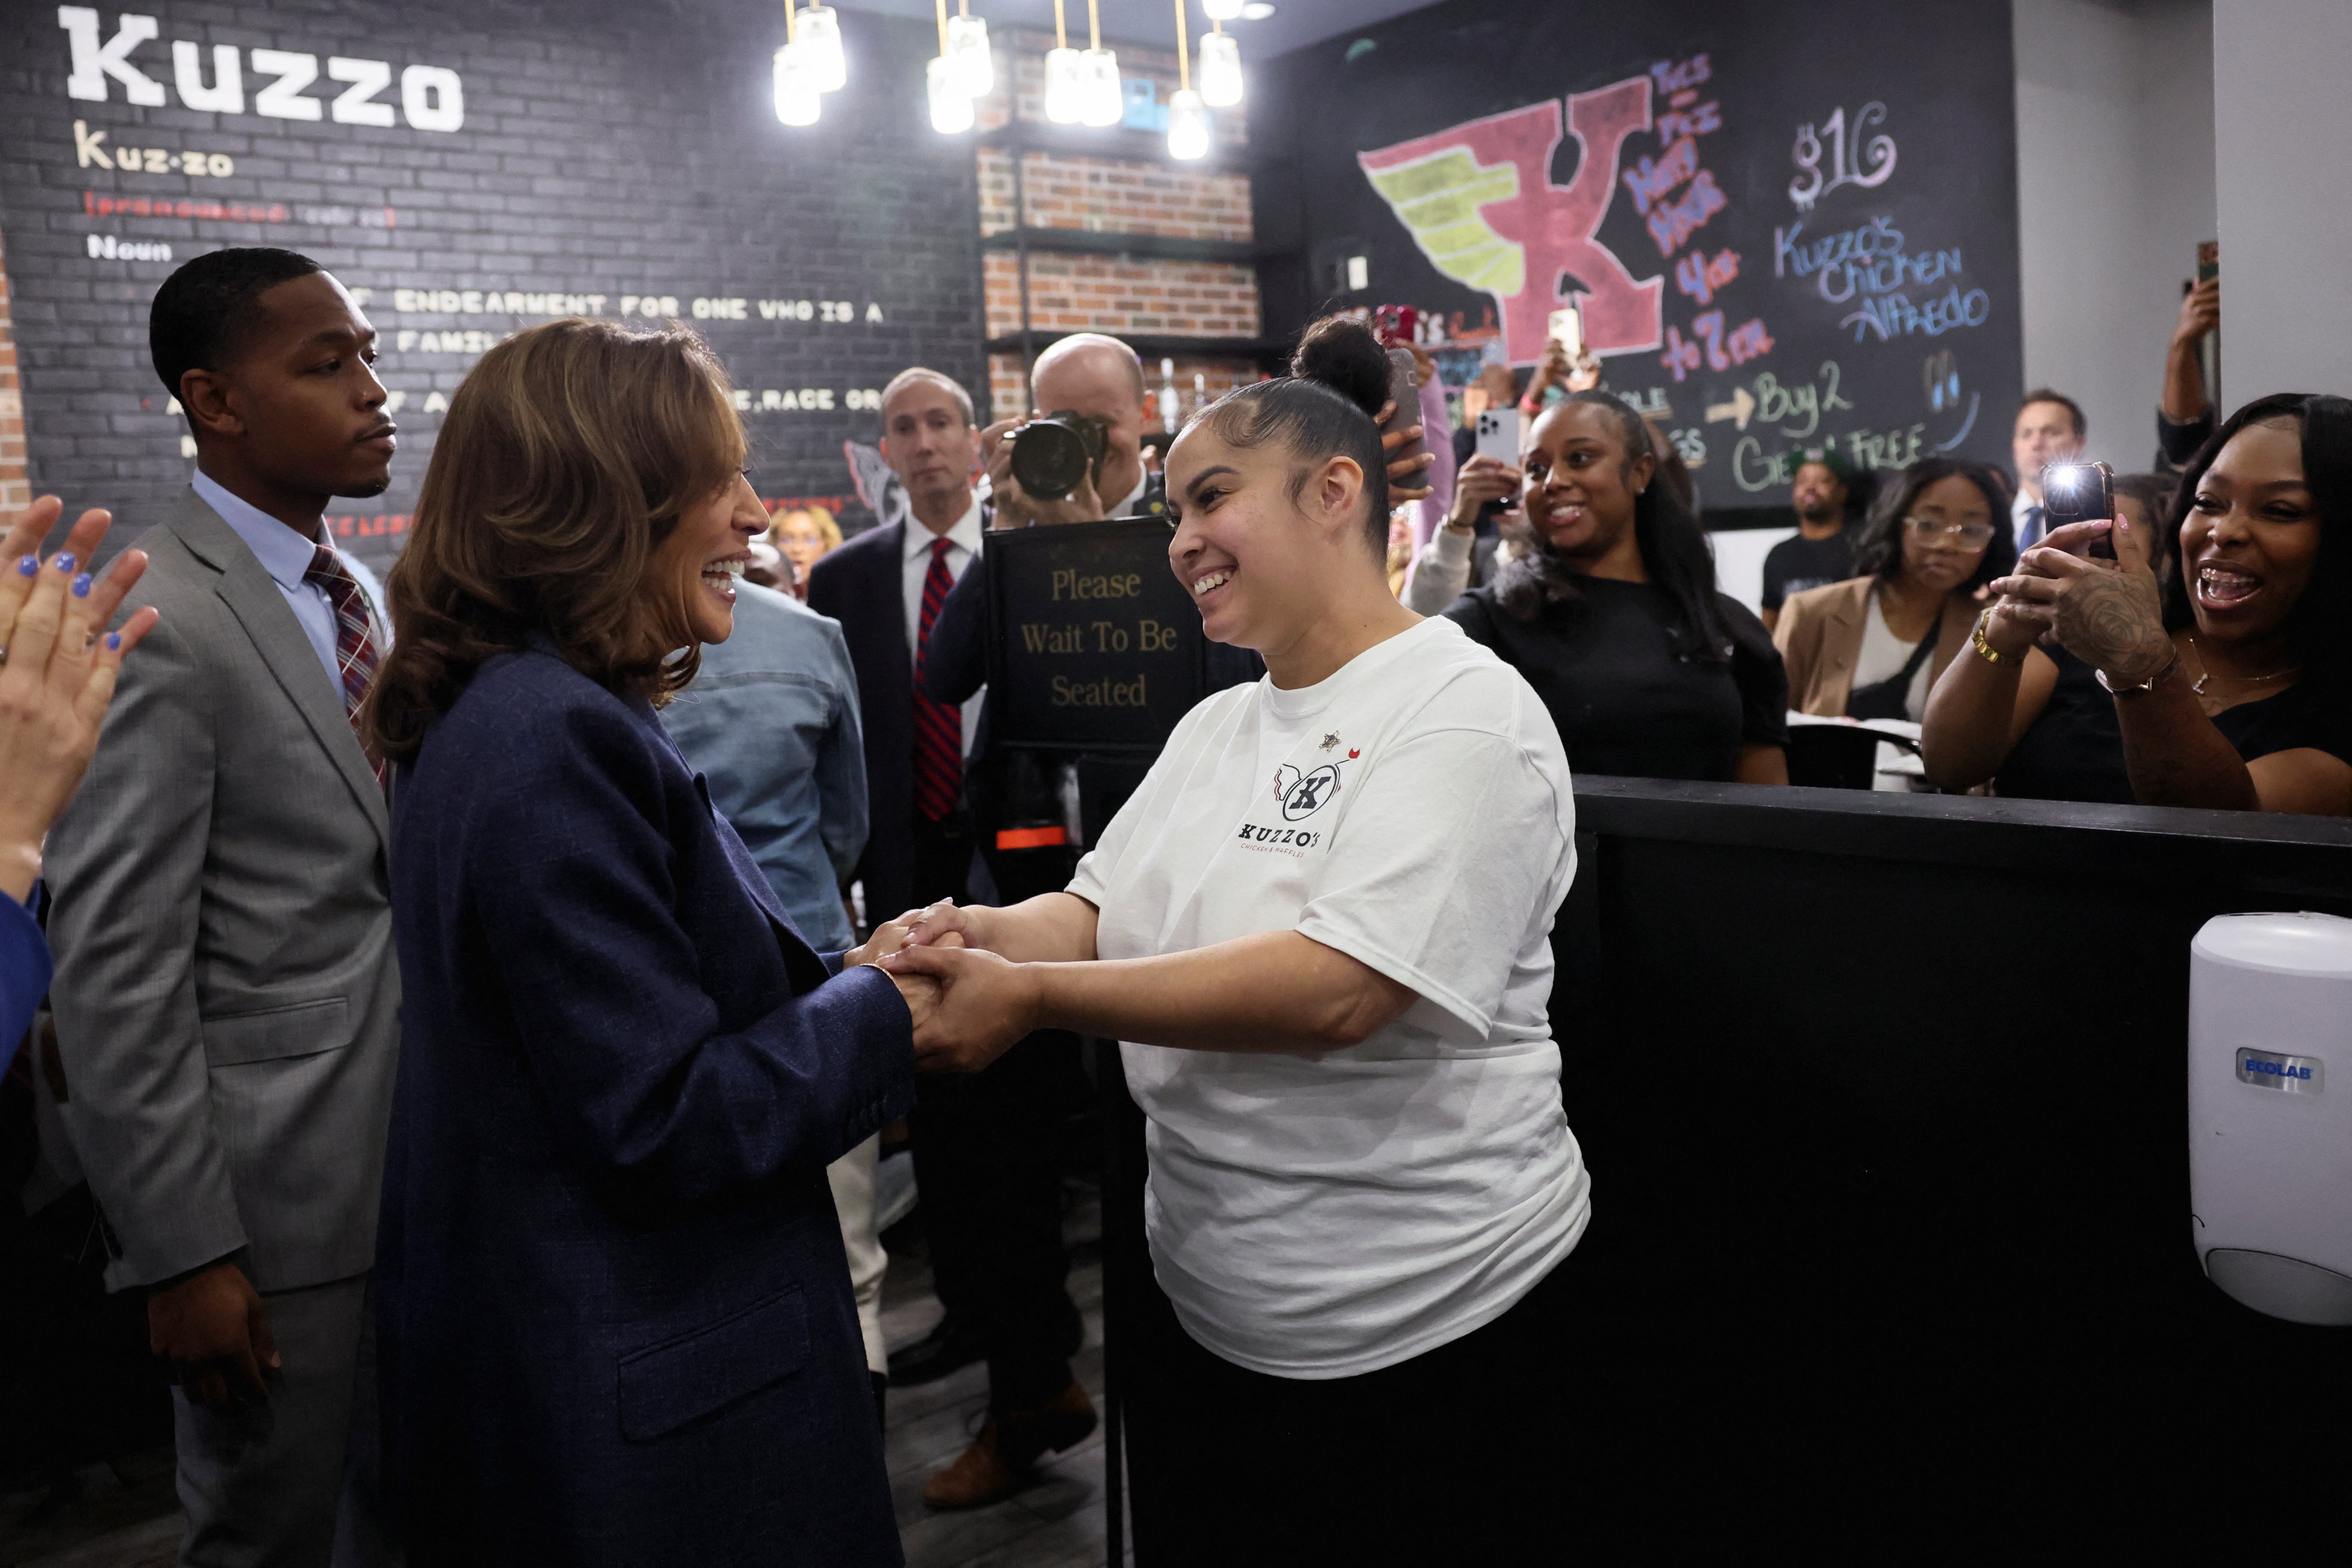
2204,674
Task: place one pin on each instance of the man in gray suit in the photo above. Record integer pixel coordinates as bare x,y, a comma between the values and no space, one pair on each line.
226,997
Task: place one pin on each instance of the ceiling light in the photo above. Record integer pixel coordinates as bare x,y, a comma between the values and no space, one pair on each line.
968,47
818,29
1065,76
950,109
1221,10
1220,71
1256,11
1188,125
797,95
1101,102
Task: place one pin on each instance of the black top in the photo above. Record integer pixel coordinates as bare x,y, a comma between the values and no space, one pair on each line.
2074,751
1796,564
1623,699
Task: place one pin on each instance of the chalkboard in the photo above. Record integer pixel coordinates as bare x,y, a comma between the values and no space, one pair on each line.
1786,228
469,170
1094,645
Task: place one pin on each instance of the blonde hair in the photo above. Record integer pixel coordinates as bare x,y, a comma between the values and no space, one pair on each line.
568,456
827,528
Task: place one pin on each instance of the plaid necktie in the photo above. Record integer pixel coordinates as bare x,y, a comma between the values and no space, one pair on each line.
939,727
355,649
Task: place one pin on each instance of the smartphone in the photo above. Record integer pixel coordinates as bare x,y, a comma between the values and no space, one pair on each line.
2208,259
1396,325
1566,330
2080,492
1498,434
1402,368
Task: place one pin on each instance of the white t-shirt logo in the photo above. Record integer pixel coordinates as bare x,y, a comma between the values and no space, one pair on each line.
1303,795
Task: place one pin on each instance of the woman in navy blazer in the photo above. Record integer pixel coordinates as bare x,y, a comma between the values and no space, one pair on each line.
614,1317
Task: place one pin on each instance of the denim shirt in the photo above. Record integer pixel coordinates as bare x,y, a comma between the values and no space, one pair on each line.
771,722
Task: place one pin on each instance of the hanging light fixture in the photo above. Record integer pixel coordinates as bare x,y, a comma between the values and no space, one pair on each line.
1188,117
1100,104
1065,76
797,97
819,32
968,47
950,109
1222,10
1220,67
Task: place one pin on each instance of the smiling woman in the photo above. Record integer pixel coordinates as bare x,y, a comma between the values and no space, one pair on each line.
1320,928
623,1073
2230,686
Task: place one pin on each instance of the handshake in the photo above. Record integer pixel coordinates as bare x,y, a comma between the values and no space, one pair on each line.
969,1003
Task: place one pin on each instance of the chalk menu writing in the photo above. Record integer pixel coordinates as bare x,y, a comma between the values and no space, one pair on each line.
1094,645
1779,238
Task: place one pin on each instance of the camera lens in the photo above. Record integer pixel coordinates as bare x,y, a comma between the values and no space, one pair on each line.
1049,459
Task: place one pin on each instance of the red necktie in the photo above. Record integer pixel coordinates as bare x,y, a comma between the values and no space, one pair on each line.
938,727
355,649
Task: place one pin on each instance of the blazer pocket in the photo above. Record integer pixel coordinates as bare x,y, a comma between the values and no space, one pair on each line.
298,1030
665,1386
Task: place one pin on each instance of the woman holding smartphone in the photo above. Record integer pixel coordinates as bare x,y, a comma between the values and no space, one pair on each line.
1319,926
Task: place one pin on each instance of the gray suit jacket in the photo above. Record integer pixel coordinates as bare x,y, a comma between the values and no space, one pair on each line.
226,996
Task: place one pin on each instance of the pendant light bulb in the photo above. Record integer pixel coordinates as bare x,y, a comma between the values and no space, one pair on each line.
968,47
1066,86
1222,10
950,109
1220,71
1103,104
1188,125
797,97
818,30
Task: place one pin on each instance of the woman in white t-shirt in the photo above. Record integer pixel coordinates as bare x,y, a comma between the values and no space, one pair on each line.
1319,926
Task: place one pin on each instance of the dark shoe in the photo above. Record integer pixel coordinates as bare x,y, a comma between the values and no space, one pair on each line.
951,1346
994,1466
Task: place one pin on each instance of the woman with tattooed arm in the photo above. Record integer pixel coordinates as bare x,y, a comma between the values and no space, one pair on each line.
2233,687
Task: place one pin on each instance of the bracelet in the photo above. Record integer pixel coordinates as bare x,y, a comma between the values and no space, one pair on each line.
2140,688
1985,650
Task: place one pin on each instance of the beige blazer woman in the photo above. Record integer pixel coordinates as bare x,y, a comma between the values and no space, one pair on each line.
1819,636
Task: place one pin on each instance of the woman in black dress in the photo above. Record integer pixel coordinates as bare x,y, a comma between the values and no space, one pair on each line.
2230,686
1612,613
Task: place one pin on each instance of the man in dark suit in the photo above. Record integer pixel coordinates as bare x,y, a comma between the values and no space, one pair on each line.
886,587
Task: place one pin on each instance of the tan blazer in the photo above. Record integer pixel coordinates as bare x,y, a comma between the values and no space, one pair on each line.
1819,636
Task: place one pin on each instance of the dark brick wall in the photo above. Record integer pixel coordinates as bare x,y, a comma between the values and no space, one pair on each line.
607,148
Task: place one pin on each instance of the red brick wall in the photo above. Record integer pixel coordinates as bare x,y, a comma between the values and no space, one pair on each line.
1115,197
15,491
1120,295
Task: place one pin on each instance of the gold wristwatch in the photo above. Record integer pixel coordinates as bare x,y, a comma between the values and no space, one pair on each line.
1985,649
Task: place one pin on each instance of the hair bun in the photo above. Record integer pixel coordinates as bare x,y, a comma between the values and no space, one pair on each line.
1343,354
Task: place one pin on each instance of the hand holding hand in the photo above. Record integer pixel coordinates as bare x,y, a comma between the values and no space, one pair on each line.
57,669
212,1330
1483,478
968,925
2108,613
1404,473
986,1003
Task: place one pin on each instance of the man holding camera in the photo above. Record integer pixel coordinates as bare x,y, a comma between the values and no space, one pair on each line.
1092,386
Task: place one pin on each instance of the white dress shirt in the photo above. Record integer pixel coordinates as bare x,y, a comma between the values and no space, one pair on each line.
963,548
286,556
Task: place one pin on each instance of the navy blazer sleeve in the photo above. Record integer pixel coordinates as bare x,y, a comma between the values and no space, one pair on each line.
572,872
24,974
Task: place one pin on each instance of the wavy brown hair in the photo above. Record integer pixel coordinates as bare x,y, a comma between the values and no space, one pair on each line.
567,457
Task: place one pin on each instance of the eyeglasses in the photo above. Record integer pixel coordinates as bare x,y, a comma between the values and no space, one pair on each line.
1964,533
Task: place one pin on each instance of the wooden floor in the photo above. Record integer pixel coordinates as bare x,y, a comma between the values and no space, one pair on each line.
127,1517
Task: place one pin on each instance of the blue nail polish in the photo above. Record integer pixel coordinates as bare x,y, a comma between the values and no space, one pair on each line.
81,586
30,566
64,564
113,641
